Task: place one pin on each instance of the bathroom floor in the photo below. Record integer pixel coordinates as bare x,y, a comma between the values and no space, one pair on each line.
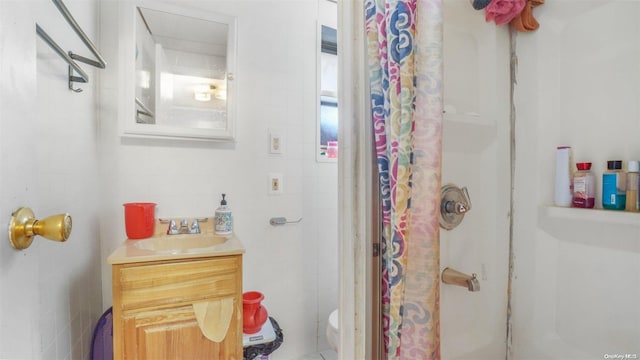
322,355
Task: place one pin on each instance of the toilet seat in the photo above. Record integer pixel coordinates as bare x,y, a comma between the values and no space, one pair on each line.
333,332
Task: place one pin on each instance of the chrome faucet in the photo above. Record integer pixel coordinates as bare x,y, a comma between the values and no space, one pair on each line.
455,277
184,228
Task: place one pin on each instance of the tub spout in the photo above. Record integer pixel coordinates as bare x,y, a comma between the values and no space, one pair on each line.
455,277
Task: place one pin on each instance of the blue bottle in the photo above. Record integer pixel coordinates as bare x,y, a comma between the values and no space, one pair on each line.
614,195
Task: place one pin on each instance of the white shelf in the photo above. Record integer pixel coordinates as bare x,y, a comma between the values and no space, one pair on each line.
591,215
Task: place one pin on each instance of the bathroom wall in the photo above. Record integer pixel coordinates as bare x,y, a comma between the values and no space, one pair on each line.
51,292
295,266
576,281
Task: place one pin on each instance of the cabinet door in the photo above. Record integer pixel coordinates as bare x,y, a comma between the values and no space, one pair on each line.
153,315
174,334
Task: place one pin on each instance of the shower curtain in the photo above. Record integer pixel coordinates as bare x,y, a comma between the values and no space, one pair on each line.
404,39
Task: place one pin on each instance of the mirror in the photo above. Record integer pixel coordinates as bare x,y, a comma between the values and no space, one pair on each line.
327,148
184,68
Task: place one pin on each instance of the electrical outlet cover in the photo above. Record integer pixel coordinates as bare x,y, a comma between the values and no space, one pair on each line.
275,184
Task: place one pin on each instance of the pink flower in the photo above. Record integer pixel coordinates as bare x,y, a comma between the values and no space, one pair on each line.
502,11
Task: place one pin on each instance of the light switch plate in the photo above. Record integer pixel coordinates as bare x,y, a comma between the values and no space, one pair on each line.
275,142
275,184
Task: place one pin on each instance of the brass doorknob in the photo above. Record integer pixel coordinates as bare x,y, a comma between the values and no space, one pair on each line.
24,226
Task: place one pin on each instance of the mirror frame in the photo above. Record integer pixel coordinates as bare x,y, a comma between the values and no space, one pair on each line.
127,109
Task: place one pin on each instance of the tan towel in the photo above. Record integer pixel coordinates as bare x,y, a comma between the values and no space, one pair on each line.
525,20
214,318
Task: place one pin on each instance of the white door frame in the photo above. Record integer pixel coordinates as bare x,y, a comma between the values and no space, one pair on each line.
354,185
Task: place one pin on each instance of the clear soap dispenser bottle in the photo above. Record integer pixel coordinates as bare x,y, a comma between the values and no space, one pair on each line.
223,220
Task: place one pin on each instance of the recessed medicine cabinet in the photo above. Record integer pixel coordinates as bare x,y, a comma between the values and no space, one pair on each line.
181,63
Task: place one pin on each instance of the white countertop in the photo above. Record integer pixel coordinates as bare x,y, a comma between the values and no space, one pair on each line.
171,247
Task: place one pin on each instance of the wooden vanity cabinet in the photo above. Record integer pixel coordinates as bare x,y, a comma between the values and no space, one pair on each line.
153,316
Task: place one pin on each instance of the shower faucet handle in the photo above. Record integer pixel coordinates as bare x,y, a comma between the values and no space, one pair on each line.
463,207
454,204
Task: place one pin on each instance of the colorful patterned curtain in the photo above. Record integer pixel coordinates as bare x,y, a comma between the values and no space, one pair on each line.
405,72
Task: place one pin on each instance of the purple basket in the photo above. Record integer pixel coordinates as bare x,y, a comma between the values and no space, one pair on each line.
102,341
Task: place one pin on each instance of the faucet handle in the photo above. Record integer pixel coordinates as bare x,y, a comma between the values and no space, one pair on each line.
173,228
465,206
454,204
195,227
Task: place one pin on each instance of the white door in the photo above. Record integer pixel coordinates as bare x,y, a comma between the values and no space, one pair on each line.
50,293
18,271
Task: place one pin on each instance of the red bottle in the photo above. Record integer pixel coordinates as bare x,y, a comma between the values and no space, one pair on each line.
254,315
584,186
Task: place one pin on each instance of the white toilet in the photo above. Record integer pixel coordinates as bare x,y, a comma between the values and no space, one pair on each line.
333,334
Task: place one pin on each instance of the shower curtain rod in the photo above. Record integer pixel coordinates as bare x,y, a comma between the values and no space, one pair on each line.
70,56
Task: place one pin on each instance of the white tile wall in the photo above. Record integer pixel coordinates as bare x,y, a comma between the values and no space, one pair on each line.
51,292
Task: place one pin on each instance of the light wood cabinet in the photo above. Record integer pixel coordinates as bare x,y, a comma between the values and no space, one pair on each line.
153,316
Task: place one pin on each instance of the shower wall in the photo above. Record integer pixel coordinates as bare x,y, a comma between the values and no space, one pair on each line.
576,281
476,155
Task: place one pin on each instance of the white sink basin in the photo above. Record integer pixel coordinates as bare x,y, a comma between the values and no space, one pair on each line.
162,247
175,244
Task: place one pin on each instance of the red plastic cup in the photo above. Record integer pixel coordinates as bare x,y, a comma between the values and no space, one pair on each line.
139,219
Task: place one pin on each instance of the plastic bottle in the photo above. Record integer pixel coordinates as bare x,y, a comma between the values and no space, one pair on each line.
563,193
332,149
584,186
223,220
633,179
613,186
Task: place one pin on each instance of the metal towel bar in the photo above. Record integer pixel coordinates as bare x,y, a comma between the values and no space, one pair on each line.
70,56
282,221
145,111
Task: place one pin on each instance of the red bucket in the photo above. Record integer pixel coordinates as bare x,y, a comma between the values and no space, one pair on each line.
139,219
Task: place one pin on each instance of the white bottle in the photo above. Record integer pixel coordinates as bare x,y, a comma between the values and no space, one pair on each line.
563,191
223,220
